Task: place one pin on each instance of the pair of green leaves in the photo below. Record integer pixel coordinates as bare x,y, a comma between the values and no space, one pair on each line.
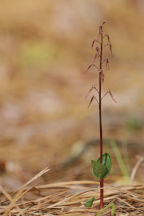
101,170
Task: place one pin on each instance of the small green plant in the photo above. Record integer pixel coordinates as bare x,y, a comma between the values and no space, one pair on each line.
101,167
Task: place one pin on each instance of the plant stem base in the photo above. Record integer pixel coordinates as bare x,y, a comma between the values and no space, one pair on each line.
101,194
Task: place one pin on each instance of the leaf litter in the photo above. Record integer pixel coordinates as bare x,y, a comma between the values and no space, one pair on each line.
68,198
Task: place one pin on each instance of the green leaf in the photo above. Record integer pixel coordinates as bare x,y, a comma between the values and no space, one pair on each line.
101,170
112,205
98,169
106,160
89,203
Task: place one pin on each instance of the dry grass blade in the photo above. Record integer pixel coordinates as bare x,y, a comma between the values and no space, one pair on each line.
136,167
68,183
10,199
19,194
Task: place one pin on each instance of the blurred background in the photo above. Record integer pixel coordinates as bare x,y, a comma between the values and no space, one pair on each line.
45,48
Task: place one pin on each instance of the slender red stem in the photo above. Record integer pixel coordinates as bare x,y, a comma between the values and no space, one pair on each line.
100,116
101,193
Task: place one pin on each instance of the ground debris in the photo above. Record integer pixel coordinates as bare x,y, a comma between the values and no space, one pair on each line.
68,198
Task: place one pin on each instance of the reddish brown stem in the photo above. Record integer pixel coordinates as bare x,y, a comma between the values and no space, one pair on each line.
101,193
100,115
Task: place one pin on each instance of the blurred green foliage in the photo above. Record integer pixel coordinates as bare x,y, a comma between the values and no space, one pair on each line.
37,53
134,125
